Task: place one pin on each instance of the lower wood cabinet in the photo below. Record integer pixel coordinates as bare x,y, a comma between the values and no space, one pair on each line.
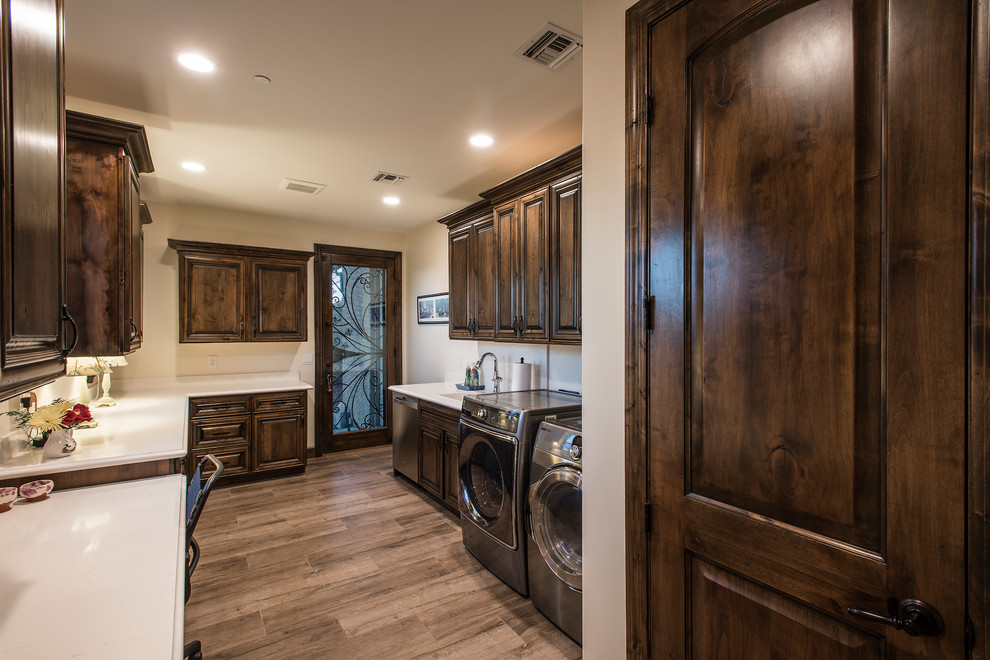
253,435
438,452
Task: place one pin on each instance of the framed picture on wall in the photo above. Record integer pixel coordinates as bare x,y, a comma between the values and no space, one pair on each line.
433,308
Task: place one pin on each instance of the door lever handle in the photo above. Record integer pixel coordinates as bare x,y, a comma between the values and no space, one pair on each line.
915,617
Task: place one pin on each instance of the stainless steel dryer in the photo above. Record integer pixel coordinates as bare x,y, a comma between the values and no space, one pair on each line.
495,436
554,524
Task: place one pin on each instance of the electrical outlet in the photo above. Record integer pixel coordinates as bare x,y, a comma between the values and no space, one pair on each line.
307,358
212,361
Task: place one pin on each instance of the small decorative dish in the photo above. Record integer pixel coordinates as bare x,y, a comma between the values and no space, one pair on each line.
35,491
471,388
7,495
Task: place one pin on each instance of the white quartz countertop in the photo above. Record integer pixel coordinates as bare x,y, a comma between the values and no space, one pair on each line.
95,572
443,394
149,423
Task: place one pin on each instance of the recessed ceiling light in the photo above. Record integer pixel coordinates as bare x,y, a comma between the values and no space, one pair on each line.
194,167
262,79
391,201
482,140
197,62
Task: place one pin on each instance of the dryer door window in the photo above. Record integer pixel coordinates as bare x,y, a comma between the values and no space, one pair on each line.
555,507
486,463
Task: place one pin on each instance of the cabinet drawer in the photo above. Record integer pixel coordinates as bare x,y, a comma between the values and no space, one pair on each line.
225,431
218,405
236,460
442,417
279,400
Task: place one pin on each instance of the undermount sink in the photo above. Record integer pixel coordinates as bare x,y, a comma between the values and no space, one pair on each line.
456,396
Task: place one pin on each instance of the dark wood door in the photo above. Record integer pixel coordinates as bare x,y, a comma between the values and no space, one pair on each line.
431,466
33,136
278,295
531,263
483,278
506,271
358,301
212,295
133,323
800,223
96,280
565,261
459,253
279,440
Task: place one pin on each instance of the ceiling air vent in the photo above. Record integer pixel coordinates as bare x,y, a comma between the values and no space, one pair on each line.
551,47
389,178
295,185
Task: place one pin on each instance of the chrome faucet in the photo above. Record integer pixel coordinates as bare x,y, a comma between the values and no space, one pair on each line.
496,379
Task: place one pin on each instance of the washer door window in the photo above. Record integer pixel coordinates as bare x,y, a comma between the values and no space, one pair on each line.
485,466
555,507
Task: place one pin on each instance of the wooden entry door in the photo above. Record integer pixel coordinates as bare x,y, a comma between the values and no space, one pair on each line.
358,345
798,359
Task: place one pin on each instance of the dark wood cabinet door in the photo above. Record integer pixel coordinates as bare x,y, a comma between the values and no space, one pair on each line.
211,298
506,271
33,151
279,440
461,279
483,286
431,470
96,277
104,242
451,485
531,264
804,232
278,301
565,261
133,331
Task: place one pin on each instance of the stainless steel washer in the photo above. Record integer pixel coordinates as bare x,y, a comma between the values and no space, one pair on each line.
495,437
554,524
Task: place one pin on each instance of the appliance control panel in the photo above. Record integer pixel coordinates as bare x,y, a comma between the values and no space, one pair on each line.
503,420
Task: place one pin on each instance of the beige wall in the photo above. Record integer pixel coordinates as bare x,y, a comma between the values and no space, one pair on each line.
428,351
162,355
603,222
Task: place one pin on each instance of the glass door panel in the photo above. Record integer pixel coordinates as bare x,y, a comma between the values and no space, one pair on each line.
358,351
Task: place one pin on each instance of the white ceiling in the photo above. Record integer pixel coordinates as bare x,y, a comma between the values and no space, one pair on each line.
357,86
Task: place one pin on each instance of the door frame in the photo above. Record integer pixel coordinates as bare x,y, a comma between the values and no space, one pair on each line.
638,323
393,372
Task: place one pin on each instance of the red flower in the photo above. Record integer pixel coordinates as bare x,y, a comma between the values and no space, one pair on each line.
78,414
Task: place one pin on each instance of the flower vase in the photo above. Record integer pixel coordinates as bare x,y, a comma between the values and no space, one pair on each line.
59,444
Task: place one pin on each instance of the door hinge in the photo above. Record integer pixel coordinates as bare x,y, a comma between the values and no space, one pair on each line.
648,99
970,634
648,520
648,304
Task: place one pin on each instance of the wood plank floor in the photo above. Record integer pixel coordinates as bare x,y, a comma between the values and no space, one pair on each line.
348,561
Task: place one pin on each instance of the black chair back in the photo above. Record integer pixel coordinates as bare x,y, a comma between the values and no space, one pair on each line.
196,496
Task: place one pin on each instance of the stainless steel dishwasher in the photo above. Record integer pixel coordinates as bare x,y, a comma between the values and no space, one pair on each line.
405,435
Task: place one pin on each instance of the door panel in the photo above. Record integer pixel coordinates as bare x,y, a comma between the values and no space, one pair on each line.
506,271
532,259
805,237
461,307
785,271
484,287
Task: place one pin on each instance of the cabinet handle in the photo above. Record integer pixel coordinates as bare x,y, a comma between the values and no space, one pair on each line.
135,333
75,331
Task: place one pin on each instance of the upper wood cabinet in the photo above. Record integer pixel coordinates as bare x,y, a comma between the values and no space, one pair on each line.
31,183
565,261
471,252
521,267
104,217
515,258
240,293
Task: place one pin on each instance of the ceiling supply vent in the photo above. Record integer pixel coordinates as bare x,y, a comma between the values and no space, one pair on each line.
389,178
552,47
295,185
